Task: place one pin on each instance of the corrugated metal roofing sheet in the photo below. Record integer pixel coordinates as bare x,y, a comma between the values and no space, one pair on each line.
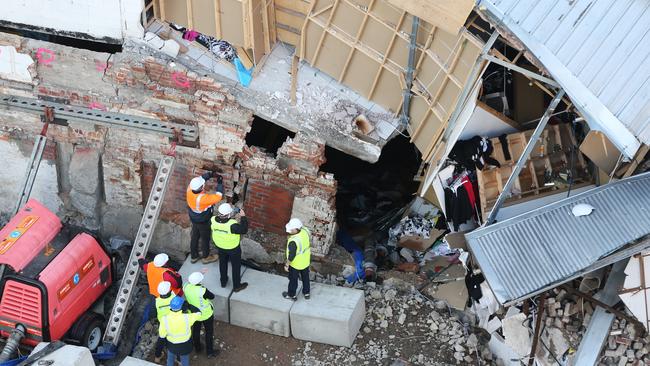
603,44
545,246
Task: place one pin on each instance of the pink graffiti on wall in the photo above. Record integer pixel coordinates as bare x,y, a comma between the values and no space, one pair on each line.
181,80
45,56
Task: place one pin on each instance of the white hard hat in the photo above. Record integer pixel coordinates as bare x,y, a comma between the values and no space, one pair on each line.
293,224
196,183
160,259
164,287
225,209
195,278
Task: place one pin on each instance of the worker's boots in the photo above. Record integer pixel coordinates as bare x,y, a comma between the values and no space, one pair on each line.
209,259
289,297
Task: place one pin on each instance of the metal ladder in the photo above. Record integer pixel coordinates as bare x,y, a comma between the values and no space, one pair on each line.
30,174
140,247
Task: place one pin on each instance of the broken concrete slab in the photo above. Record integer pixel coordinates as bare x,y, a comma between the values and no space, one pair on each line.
211,281
516,335
333,315
132,361
68,355
252,250
261,306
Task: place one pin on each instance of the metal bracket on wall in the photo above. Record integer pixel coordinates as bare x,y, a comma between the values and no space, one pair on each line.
190,133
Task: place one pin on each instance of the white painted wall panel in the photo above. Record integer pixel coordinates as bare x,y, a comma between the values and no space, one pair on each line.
116,19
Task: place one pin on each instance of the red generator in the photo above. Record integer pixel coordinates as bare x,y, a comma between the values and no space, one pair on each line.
50,276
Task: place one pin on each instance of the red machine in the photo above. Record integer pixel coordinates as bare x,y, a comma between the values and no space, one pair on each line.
50,276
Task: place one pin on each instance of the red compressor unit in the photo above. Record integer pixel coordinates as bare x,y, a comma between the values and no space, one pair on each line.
50,276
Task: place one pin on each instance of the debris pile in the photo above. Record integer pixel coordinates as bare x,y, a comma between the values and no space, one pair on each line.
411,226
405,328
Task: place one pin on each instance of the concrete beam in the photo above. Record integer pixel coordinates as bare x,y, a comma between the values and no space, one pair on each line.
333,315
212,281
261,306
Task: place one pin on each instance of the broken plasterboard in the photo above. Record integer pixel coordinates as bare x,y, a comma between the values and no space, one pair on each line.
454,293
600,150
635,292
14,66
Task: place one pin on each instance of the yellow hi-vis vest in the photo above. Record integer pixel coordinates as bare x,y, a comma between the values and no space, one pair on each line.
177,326
194,296
162,306
303,249
221,235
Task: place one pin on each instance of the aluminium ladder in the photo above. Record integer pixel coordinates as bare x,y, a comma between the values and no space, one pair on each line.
30,174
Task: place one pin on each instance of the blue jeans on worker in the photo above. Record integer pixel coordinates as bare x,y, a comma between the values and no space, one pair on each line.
171,359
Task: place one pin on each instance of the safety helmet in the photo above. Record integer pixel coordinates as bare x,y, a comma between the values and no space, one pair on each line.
177,303
195,278
164,287
293,224
197,183
160,259
225,209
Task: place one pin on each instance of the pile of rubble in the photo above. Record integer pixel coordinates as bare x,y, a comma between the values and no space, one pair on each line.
564,322
403,328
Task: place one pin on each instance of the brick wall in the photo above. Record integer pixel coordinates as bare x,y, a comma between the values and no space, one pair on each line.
268,205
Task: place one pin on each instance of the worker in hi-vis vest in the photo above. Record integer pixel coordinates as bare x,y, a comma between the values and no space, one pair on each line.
199,208
298,258
176,329
226,235
157,271
199,296
162,308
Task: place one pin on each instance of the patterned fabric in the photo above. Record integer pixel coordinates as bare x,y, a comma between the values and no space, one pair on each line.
218,47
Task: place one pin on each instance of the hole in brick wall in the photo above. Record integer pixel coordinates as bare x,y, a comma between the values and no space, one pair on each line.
267,135
70,39
368,193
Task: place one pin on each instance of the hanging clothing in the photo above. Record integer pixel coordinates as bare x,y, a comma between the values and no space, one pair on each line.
473,153
458,206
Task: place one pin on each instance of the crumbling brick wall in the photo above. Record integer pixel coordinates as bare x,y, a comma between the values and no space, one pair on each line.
142,85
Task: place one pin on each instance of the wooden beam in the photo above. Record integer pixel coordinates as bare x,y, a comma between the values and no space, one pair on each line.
385,56
294,78
266,28
217,18
638,158
325,31
538,328
302,31
450,15
190,16
356,41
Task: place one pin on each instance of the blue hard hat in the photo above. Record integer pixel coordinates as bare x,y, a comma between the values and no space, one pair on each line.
177,303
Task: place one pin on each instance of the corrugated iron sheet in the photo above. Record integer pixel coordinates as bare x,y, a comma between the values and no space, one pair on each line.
605,44
548,245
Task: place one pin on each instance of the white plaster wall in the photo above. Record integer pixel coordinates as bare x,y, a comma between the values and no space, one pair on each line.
116,19
12,172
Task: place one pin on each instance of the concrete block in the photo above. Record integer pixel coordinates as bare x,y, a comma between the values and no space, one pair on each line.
67,355
211,281
131,361
261,306
333,315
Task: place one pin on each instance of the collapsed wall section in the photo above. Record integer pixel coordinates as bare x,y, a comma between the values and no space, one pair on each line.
102,173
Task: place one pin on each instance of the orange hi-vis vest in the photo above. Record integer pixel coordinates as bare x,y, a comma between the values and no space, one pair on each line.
200,202
155,276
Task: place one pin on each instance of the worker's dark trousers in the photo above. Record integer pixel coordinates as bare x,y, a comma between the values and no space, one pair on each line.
200,231
208,325
234,255
293,280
